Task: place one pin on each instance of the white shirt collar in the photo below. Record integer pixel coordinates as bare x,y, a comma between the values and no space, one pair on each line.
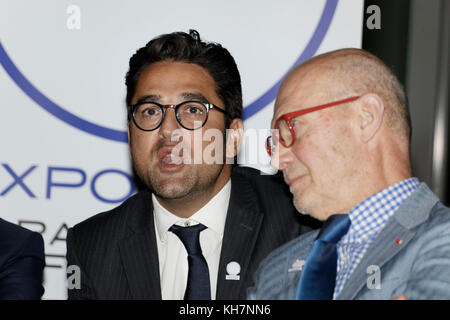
212,215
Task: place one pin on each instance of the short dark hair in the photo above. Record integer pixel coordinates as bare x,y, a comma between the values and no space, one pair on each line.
188,47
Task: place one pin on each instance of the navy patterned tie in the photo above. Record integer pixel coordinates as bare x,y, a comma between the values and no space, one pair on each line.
198,286
318,277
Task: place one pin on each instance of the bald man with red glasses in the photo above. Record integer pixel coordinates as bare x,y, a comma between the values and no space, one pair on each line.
342,137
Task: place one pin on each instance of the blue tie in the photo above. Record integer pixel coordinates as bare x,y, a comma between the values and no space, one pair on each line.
319,272
198,286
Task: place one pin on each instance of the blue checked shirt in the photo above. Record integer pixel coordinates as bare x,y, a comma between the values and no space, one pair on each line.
368,218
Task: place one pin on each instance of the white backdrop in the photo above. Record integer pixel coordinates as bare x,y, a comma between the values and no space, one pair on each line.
63,151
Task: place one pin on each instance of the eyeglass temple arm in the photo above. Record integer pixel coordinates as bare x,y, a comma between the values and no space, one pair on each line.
211,106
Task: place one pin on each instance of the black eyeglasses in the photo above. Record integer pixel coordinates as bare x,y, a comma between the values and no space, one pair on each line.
191,115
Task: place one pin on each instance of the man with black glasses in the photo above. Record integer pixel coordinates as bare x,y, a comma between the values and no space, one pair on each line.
201,226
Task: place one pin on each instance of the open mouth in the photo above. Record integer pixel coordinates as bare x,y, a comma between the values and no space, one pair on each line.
170,158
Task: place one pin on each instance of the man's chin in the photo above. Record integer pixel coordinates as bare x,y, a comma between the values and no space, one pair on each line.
306,208
172,186
171,194
302,209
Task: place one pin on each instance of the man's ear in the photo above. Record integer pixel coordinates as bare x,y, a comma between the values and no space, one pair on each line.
370,115
234,137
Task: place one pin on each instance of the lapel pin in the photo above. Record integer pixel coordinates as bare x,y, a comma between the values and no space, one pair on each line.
297,265
233,270
399,240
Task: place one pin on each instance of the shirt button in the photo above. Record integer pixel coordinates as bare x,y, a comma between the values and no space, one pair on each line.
187,223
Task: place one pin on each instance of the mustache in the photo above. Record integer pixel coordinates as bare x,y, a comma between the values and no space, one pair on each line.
173,147
166,142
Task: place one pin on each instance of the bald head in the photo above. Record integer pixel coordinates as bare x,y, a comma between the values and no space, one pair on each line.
342,154
355,72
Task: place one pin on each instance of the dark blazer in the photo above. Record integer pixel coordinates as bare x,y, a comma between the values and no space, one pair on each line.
117,252
22,262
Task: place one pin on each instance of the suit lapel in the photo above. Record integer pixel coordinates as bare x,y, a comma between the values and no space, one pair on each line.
241,231
382,250
402,225
139,252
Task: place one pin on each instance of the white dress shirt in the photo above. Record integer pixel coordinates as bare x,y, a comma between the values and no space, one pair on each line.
172,255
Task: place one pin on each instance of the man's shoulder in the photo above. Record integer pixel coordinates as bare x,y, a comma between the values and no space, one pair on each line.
424,212
418,267
15,239
116,218
273,196
13,232
269,190
259,178
438,221
440,212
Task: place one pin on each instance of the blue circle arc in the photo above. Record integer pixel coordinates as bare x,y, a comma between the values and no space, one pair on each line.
121,136
308,52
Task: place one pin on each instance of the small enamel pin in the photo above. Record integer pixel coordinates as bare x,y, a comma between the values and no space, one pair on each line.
297,265
233,270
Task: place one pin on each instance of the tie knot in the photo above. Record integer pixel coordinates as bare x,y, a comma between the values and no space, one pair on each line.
334,228
190,236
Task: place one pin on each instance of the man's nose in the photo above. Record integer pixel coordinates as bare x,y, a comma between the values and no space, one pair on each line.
169,124
281,157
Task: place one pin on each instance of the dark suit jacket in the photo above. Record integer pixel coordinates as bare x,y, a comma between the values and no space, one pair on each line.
117,252
22,262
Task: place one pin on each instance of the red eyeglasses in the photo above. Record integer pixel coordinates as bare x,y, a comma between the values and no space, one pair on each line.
285,128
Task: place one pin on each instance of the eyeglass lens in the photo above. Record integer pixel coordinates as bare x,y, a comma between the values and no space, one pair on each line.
191,115
285,133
